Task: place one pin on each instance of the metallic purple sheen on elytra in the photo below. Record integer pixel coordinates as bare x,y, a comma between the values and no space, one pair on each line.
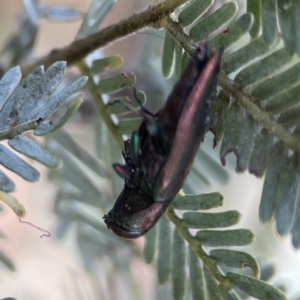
168,142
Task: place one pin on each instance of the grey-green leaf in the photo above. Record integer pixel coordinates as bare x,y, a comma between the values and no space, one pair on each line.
115,83
214,21
50,126
164,250
246,142
60,13
14,163
54,102
111,62
286,15
185,61
194,11
168,55
178,61
267,271
98,9
296,225
65,140
254,7
150,244
297,26
278,83
205,160
255,288
236,30
215,238
211,220
196,202
237,59
199,174
290,116
178,266
229,295
40,90
129,125
219,114
115,156
196,276
31,149
12,107
254,73
288,196
7,262
75,175
284,101
212,287
269,21
260,153
6,184
235,259
270,192
8,83
20,45
235,121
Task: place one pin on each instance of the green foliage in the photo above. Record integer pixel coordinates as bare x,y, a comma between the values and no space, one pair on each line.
172,253
18,115
264,68
272,87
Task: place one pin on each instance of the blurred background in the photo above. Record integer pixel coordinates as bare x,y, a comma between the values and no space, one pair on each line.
52,268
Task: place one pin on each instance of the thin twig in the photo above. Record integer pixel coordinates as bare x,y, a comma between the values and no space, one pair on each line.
159,14
244,100
259,115
196,246
184,40
101,107
13,131
79,49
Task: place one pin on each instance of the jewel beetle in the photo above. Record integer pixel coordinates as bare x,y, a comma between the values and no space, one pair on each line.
159,155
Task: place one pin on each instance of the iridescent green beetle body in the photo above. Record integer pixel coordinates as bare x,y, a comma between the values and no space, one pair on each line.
160,154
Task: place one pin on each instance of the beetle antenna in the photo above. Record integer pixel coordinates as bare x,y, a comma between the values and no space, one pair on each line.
119,101
139,102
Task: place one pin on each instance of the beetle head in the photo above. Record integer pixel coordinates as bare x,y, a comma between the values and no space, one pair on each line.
133,214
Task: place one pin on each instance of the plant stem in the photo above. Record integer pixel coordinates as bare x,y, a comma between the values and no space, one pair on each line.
13,131
184,40
196,246
79,49
159,13
239,95
259,115
102,108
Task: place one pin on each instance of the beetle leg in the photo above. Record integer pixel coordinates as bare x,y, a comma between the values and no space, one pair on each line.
123,171
119,101
152,126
